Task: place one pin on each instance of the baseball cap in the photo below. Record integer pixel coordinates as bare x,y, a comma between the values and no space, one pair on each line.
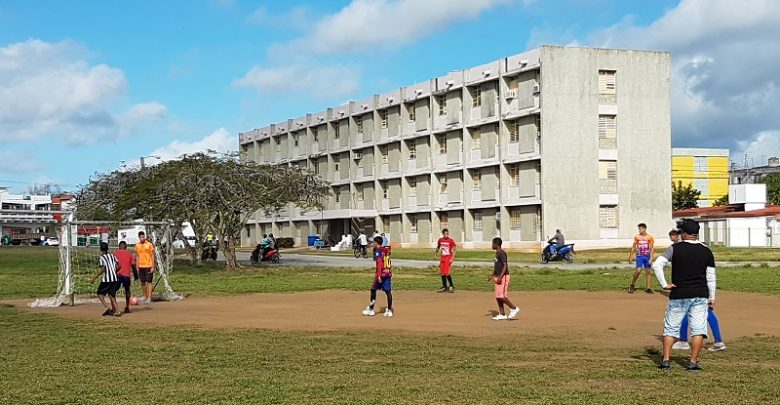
690,226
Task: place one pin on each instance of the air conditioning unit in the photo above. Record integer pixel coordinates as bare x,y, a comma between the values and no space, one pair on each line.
510,94
536,88
357,155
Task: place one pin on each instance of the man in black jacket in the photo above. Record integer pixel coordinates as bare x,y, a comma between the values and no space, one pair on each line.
691,291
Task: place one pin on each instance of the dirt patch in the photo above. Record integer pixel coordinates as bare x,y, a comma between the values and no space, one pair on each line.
611,318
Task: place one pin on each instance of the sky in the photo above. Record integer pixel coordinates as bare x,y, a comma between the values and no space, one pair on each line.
91,86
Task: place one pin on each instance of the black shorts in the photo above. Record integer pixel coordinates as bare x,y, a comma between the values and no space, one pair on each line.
125,283
145,275
108,288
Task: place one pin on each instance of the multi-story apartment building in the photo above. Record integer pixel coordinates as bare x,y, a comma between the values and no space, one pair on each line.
570,138
707,170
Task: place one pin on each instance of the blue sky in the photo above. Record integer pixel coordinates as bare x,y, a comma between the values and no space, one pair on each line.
87,84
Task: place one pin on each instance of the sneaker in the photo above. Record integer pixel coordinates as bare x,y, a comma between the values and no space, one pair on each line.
513,313
631,289
500,317
717,347
648,290
107,312
443,289
665,365
388,313
451,290
693,367
681,346
368,311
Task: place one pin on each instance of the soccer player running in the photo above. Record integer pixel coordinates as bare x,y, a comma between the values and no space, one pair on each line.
692,290
501,278
382,278
445,249
109,284
644,247
127,263
144,251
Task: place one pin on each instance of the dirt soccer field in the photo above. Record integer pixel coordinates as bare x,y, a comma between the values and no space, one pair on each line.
606,319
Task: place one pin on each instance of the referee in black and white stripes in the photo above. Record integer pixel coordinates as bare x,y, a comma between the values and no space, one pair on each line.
109,284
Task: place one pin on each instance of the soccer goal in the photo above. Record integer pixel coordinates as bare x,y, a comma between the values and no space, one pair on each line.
79,254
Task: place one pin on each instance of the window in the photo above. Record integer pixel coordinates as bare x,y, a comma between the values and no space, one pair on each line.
383,118
359,124
295,140
608,216
443,183
359,192
607,132
316,134
413,150
336,131
477,221
514,83
444,220
278,142
476,139
514,131
442,103
316,167
413,223
607,177
606,82
383,151
386,224
337,191
476,177
476,98
514,175
514,218
412,186
702,185
700,164
337,164
442,140
384,190
410,110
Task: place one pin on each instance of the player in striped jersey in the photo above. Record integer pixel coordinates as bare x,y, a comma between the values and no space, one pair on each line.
109,284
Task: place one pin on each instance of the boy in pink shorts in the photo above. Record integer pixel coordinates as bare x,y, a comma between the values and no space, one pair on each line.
501,278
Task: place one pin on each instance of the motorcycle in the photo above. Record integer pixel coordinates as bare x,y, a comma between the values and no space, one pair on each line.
360,250
565,252
272,255
209,251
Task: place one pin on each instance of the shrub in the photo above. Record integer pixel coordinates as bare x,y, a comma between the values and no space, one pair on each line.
285,242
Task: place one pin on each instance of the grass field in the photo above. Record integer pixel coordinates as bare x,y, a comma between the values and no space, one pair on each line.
594,256
50,359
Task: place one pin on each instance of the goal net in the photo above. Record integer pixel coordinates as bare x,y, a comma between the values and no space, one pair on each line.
79,253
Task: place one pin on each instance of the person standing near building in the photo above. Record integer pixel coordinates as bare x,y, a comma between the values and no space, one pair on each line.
382,278
445,250
144,251
501,279
691,292
644,247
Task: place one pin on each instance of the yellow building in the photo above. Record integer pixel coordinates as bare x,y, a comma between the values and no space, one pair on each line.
706,169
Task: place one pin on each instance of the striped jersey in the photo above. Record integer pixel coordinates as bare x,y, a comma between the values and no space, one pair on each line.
108,262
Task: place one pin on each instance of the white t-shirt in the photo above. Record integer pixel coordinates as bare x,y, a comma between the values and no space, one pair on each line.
362,239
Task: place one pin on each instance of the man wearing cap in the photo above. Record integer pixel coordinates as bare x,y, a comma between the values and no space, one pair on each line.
692,290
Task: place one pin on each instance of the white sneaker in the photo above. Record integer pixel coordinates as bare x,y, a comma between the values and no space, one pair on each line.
368,311
717,347
680,345
513,313
500,317
389,313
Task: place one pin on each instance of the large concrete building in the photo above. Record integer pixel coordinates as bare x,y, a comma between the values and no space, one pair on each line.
707,170
571,138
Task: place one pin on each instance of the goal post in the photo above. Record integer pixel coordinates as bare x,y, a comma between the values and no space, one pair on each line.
79,254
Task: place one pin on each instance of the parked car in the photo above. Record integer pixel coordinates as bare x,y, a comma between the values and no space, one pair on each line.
51,241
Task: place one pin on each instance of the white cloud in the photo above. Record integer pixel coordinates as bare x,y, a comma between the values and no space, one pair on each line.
16,162
363,24
725,89
298,18
51,89
324,82
220,140
760,148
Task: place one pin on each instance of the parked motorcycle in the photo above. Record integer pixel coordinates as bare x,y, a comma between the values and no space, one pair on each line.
272,255
565,252
209,251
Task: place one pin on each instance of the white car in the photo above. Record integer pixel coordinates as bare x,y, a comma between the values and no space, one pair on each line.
51,241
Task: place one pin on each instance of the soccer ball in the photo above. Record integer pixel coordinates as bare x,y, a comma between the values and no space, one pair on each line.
133,300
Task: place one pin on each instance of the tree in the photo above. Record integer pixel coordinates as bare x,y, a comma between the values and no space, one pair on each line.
213,193
684,197
721,201
44,189
772,182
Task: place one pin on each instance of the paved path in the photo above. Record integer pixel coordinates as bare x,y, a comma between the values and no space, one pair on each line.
321,260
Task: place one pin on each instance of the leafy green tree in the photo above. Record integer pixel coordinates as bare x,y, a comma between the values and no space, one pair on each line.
772,182
684,197
722,201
